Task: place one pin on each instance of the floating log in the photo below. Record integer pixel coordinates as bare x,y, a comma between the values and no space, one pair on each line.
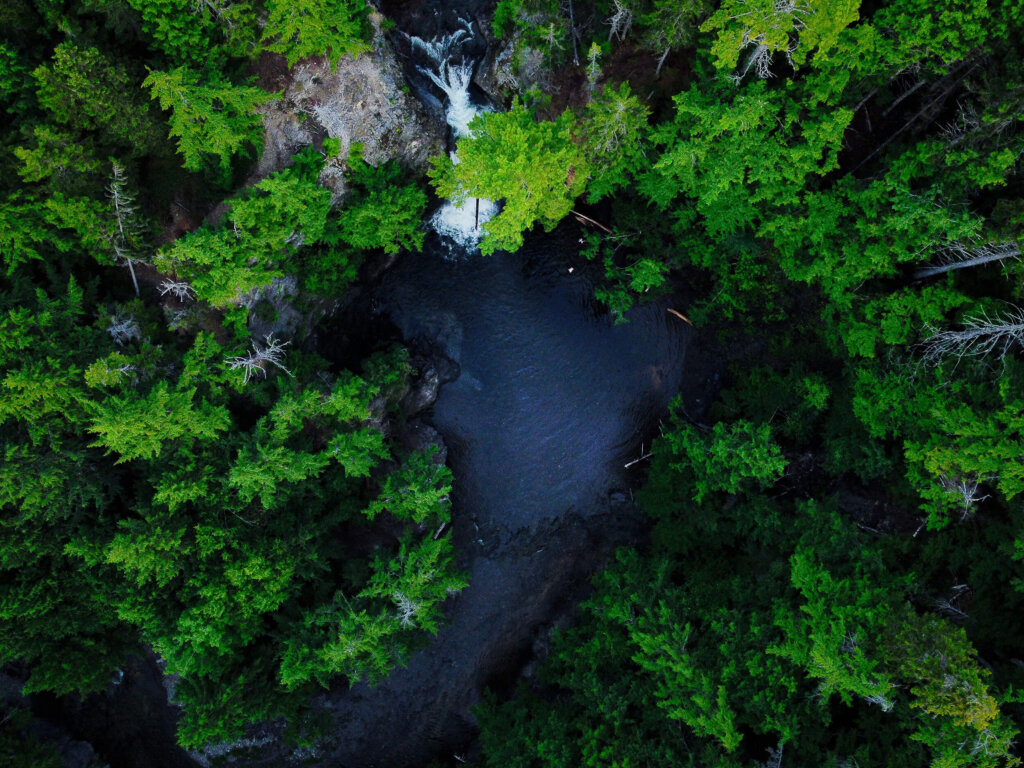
587,220
681,316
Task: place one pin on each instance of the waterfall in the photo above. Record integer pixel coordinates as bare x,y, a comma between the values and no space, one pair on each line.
462,224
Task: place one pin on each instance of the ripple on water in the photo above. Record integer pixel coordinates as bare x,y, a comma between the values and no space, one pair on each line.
552,396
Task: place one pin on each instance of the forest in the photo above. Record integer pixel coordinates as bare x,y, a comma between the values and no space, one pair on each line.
831,194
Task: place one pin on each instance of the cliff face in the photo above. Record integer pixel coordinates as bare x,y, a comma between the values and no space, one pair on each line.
363,100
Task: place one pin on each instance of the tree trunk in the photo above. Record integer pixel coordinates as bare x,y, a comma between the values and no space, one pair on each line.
135,282
572,35
983,258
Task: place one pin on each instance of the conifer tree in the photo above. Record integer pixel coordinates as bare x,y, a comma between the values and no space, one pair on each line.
208,117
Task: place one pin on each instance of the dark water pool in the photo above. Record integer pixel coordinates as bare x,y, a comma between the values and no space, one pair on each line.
553,397
552,400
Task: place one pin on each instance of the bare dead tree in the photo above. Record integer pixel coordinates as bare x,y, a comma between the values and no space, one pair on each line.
946,605
503,66
572,35
179,289
879,699
966,123
661,60
671,26
407,609
966,489
960,256
760,60
177,318
982,335
782,14
593,66
296,239
907,93
270,352
621,21
124,240
849,644
551,38
124,328
972,128
953,78
118,371
614,131
774,757
220,11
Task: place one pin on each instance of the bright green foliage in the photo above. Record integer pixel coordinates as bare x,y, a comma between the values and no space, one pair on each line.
138,428
688,693
21,231
56,157
960,442
946,679
281,211
55,614
950,436
209,535
146,494
898,318
535,167
854,233
332,28
379,210
521,15
418,492
613,136
13,79
727,459
794,29
735,150
860,609
265,230
827,637
416,581
947,32
216,268
602,711
726,646
287,486
629,273
208,116
800,208
924,654
33,230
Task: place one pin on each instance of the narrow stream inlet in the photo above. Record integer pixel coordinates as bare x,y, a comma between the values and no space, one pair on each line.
450,71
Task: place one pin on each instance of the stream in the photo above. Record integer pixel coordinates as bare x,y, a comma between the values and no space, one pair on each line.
552,400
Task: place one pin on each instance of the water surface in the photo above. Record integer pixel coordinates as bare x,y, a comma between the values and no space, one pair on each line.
551,401
553,397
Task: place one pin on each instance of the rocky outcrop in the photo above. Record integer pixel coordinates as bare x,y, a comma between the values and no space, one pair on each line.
495,75
363,100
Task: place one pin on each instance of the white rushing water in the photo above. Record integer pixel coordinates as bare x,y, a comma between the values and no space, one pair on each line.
462,224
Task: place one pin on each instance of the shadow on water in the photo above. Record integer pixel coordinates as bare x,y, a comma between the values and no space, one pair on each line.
551,401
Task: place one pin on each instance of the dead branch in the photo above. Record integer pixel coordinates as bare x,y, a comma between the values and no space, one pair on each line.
681,316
